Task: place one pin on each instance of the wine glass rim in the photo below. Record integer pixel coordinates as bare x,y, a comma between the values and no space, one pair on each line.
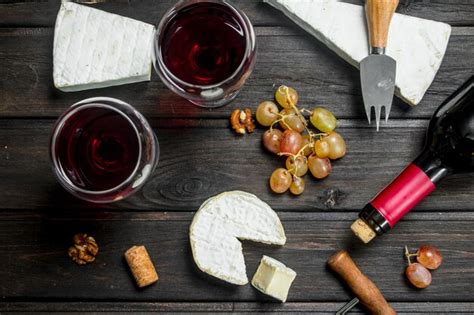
78,107
167,17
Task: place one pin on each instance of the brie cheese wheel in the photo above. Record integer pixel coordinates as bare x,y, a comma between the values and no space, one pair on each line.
94,49
219,224
273,278
418,45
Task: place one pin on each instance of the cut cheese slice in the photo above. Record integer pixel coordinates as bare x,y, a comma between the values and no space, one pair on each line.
94,49
273,278
418,45
219,224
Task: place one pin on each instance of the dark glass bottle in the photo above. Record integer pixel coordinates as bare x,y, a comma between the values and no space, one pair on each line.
449,149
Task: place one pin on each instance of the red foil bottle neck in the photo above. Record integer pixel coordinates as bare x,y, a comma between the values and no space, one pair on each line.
402,194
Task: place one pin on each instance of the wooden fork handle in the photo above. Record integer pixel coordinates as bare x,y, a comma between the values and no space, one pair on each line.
367,292
379,15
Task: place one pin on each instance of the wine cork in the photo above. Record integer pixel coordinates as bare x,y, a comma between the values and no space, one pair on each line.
363,231
141,266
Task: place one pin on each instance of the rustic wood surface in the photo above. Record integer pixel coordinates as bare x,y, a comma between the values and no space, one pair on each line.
200,157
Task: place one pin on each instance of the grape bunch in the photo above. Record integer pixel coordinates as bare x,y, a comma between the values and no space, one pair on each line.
428,257
289,135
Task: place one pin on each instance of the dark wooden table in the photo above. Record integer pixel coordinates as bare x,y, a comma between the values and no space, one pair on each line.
200,157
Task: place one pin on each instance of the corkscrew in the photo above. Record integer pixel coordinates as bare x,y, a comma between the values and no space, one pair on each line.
364,289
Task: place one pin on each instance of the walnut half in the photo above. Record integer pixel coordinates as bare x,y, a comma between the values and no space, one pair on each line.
84,250
242,121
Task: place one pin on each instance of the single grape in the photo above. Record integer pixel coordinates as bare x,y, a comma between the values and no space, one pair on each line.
320,168
291,142
418,275
297,186
337,145
291,120
280,180
322,149
429,256
267,113
307,144
297,165
323,119
271,140
286,96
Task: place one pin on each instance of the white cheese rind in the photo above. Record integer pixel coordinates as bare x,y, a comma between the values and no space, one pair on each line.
219,224
418,45
95,49
273,278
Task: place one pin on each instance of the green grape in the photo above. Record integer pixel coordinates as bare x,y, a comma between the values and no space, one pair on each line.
320,168
297,186
267,113
323,119
297,165
271,140
322,149
280,180
337,145
291,120
291,142
286,96
308,150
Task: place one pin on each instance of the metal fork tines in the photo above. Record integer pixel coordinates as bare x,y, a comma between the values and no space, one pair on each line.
378,112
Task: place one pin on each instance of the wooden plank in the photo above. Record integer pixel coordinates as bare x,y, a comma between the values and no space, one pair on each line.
23,13
103,308
200,158
34,258
285,56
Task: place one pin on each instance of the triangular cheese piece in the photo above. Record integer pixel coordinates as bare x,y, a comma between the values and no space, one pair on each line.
94,49
221,222
418,45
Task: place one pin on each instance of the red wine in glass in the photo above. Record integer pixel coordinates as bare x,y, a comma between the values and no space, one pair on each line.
203,43
98,148
204,51
103,150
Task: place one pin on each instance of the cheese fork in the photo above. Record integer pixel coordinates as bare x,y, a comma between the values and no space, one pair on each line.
377,70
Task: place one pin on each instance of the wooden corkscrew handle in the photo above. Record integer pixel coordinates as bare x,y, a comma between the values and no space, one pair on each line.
379,15
367,292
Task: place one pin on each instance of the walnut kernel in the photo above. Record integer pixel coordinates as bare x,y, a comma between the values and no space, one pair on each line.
84,250
242,121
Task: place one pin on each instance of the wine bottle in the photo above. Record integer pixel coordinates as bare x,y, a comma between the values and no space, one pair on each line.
449,149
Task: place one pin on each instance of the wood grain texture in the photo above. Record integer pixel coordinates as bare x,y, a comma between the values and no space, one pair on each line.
285,56
35,264
379,17
200,158
105,308
20,13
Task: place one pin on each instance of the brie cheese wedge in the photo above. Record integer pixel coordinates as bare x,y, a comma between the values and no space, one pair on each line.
94,49
219,224
273,278
418,45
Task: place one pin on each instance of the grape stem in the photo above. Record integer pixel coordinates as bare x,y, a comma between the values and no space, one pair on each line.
280,119
297,111
286,154
408,255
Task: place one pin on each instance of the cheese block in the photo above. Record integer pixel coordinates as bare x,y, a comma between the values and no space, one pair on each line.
418,45
219,224
94,49
273,278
